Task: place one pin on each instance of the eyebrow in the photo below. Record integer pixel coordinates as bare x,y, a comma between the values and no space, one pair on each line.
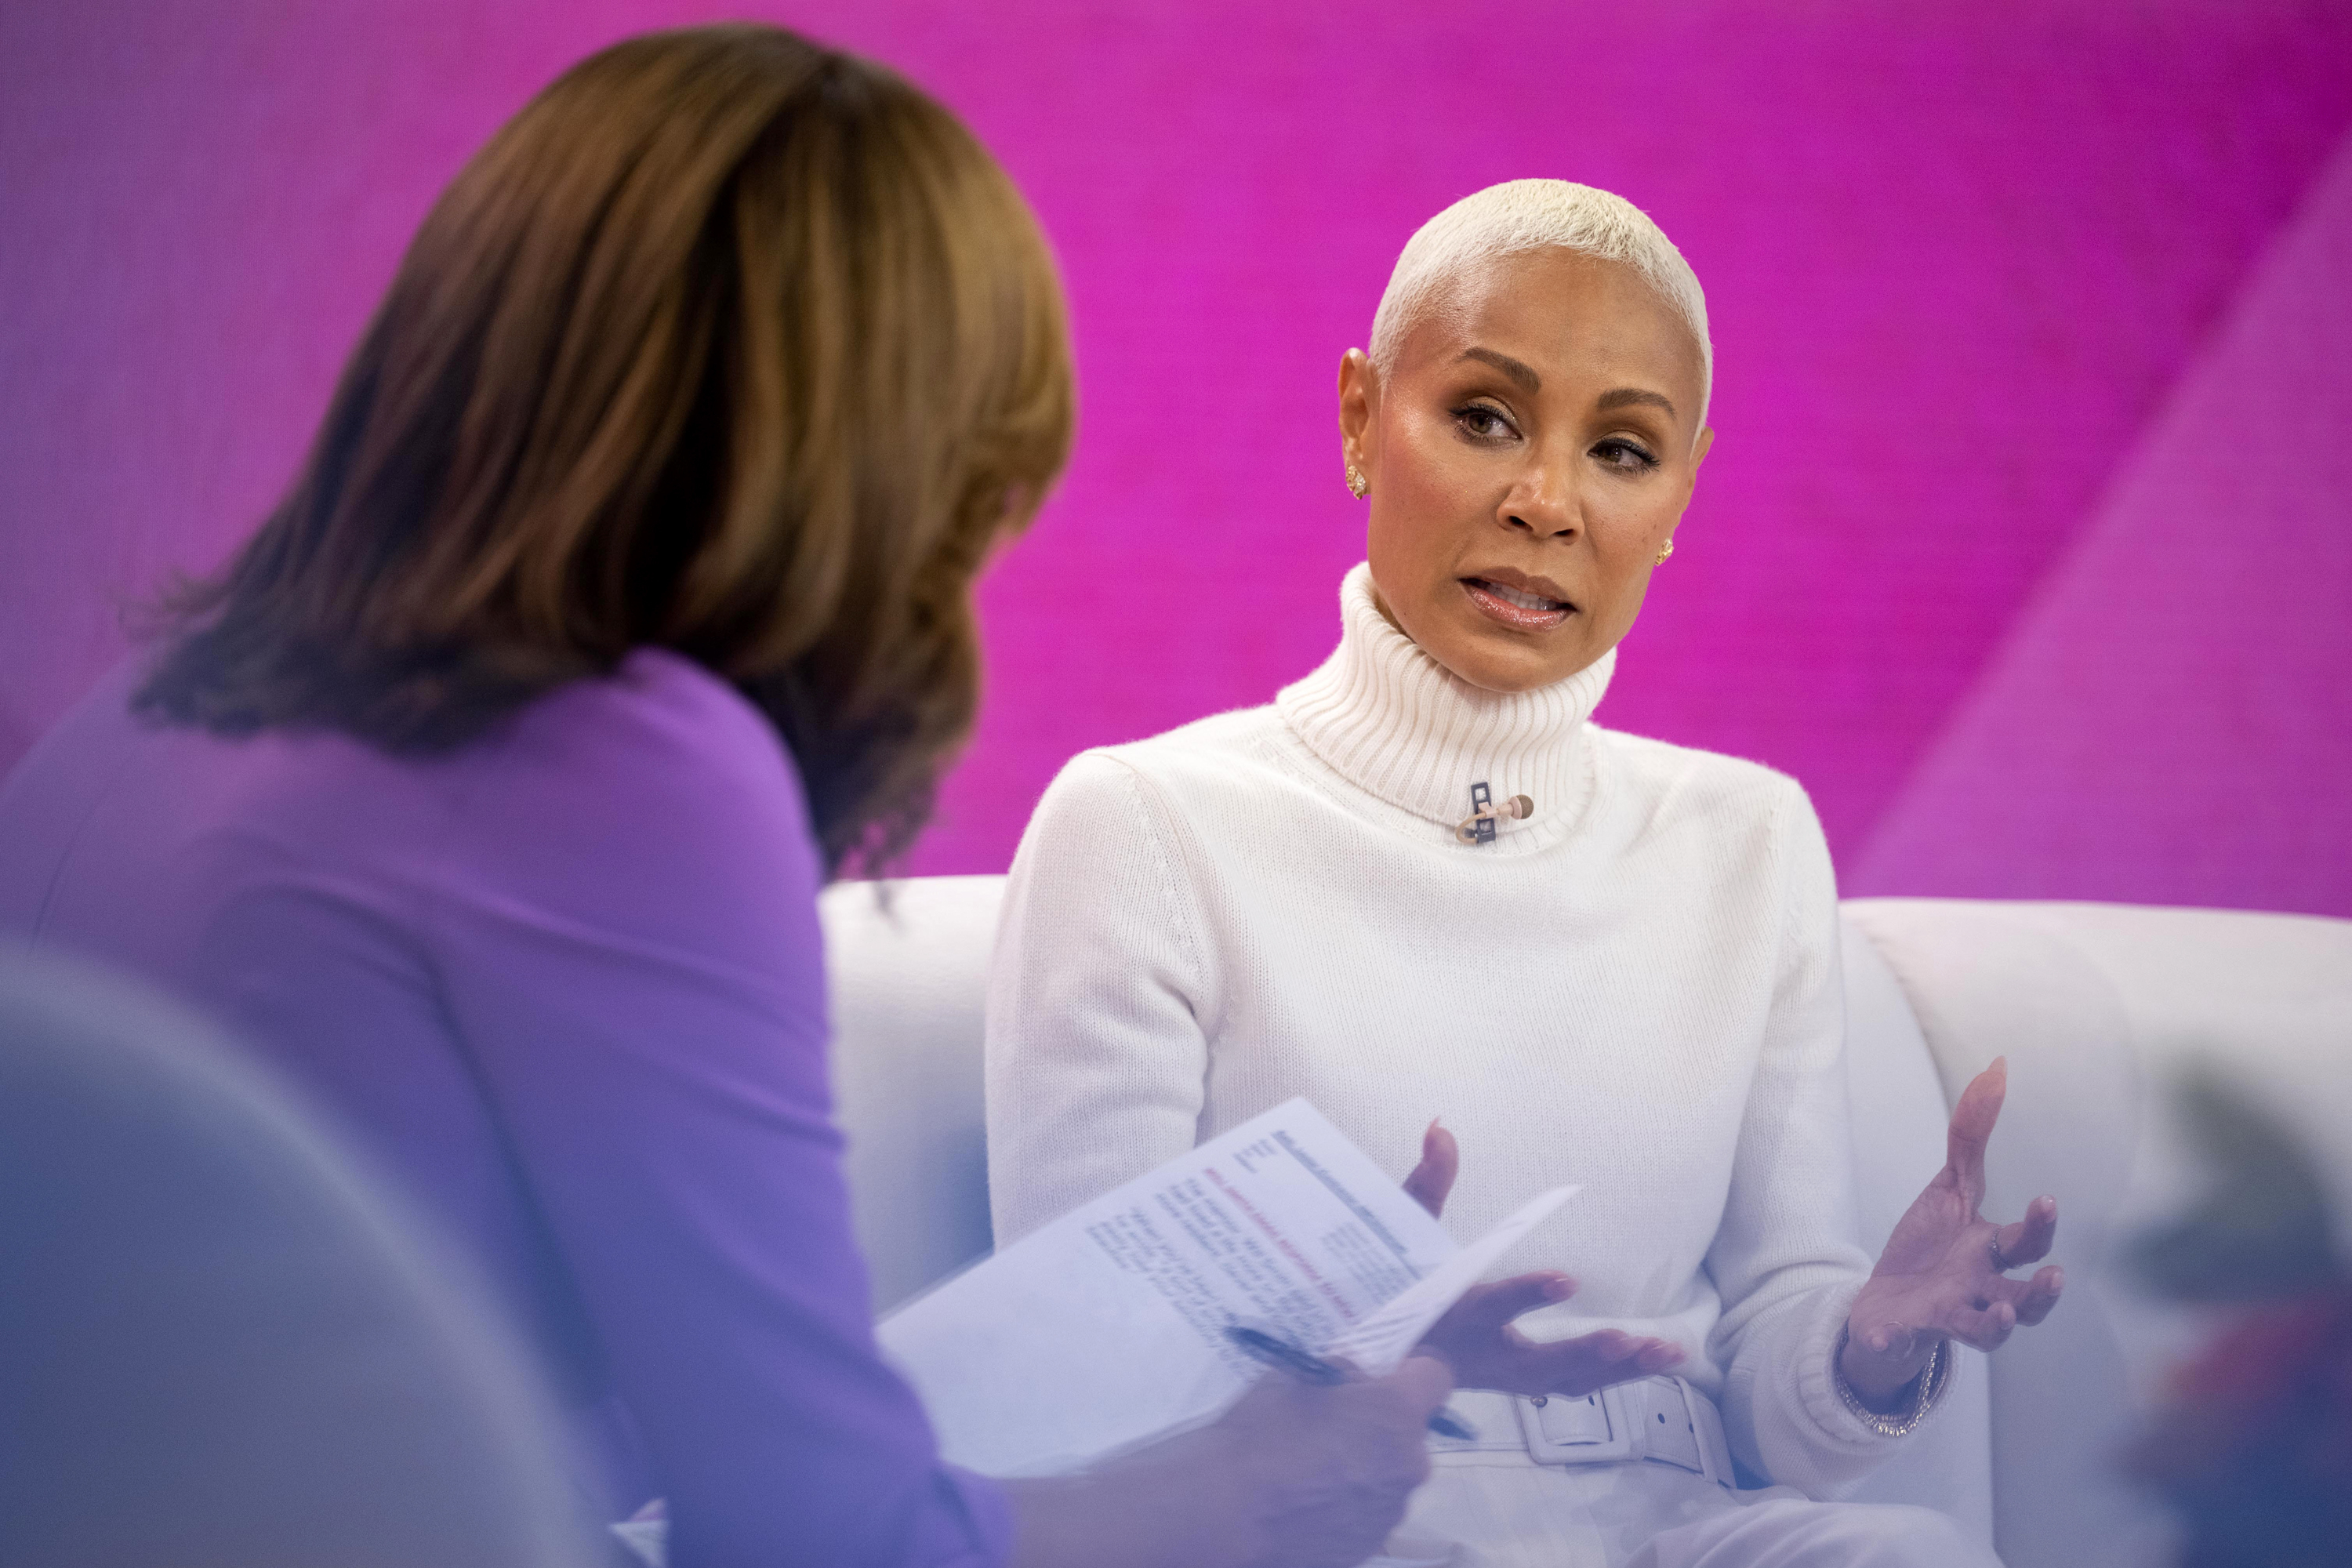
1525,374
1516,370
1623,395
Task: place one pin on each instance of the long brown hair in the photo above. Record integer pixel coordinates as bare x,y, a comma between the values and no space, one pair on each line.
726,343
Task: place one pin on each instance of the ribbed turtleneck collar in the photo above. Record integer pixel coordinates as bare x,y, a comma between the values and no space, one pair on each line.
1393,721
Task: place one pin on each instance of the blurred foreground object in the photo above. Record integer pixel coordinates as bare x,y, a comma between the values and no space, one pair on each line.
2253,1443
220,1344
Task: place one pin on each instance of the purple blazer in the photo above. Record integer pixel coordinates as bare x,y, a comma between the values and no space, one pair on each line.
569,984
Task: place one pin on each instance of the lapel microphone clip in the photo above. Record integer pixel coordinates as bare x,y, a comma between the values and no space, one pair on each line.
1478,827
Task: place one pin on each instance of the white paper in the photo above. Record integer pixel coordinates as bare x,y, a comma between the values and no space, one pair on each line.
1107,1326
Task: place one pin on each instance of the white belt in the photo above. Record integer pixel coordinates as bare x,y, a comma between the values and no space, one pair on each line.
1662,1420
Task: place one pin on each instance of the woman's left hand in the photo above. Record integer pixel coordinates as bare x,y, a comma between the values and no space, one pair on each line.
1944,1274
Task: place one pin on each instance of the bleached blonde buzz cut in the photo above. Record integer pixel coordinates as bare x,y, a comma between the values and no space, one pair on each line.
1520,215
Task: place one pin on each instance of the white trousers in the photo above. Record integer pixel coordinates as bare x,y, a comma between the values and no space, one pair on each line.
1503,1510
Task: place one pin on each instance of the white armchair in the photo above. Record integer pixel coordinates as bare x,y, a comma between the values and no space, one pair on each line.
2095,1006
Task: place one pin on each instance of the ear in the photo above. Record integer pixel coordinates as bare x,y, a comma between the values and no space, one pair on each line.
1359,394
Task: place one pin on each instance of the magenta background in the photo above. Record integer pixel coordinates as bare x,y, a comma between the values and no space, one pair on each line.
2027,539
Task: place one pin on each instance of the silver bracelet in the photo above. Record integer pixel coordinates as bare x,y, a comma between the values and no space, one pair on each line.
1931,1382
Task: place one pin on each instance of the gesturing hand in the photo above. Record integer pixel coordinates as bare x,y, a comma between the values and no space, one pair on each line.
1944,1272
1475,1336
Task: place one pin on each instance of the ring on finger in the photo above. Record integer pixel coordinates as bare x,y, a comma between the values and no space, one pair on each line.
2000,1264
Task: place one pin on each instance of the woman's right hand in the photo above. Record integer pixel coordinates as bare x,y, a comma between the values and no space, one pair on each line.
1292,1475
1476,1338
1476,1341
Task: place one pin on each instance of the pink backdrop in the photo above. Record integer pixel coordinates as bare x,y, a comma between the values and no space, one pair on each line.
2027,540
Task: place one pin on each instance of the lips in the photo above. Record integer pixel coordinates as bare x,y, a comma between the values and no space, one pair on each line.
1515,607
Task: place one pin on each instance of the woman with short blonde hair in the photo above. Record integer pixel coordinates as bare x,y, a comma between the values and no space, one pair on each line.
1422,880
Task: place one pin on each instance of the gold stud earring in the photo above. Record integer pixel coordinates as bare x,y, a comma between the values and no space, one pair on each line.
1357,483
1669,549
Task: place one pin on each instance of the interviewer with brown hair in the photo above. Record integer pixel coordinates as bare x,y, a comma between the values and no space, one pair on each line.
623,600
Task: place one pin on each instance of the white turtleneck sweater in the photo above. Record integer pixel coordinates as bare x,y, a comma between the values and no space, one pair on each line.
1636,990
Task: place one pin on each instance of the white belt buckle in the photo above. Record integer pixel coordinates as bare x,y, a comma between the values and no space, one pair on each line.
1595,1429
1614,1424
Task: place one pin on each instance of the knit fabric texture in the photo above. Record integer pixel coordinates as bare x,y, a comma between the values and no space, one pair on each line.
1635,990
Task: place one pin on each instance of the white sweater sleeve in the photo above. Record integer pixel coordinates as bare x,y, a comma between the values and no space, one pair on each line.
1784,1260
1095,1063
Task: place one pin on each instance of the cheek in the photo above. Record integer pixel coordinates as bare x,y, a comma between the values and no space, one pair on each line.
1399,554
1427,470
1624,561
1424,502
1624,592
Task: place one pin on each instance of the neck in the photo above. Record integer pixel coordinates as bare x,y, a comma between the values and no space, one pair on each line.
1395,722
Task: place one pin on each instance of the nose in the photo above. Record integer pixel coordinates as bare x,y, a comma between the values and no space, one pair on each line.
1542,504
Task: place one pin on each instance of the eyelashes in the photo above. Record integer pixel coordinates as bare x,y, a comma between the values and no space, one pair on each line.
1482,422
1624,455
